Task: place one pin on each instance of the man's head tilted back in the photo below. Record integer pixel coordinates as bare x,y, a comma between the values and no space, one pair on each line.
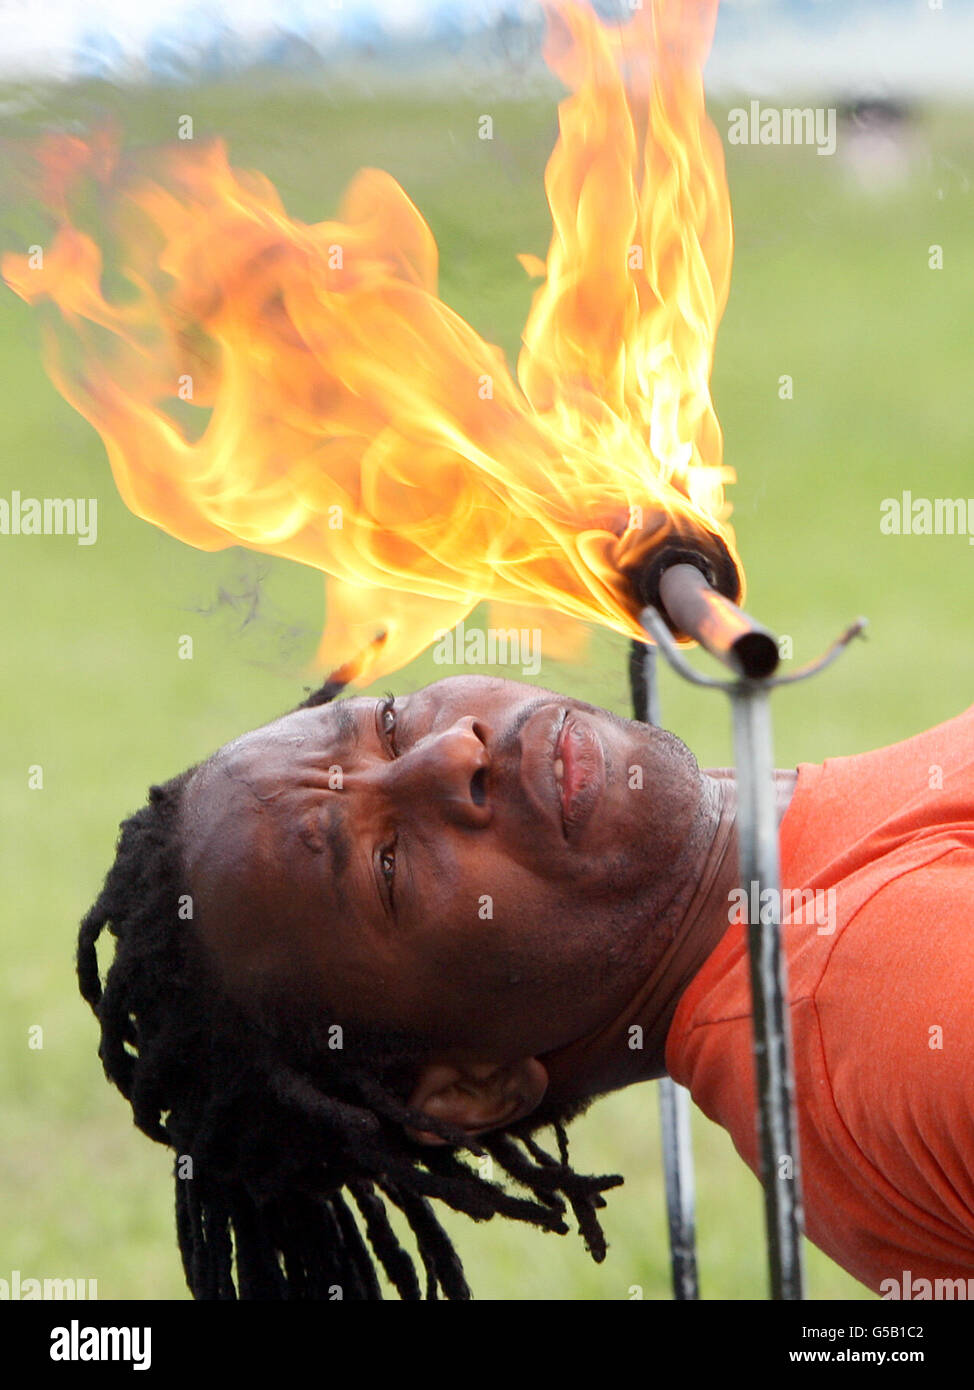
399,908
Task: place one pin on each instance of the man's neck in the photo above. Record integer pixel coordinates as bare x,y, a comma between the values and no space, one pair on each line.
633,1046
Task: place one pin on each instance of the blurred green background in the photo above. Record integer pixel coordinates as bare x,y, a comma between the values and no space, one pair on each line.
831,286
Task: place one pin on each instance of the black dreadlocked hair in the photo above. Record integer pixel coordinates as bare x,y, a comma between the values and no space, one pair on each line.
276,1131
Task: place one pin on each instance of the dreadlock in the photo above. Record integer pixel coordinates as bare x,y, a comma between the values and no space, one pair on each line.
276,1134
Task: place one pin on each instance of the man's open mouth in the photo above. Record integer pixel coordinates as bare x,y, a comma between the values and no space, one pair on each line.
579,768
562,767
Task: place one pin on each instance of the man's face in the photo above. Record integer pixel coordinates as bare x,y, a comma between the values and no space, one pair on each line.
471,862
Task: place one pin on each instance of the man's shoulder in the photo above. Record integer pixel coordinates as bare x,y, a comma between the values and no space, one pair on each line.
849,813
910,931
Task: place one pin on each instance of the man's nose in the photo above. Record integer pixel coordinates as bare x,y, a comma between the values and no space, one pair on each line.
448,772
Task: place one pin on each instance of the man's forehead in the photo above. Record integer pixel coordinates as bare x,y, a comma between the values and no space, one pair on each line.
261,753
243,817
234,796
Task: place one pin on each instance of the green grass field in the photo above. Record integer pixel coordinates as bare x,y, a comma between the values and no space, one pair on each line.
831,286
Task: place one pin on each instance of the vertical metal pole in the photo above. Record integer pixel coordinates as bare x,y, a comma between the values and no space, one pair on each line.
757,828
674,1100
674,1109
644,683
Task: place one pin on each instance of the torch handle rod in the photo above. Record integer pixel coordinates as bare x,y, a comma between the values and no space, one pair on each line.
726,631
674,1100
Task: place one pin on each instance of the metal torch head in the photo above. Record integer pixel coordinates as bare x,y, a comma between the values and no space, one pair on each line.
693,581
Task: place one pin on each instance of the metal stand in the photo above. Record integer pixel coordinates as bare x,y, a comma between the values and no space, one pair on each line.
674,1100
757,830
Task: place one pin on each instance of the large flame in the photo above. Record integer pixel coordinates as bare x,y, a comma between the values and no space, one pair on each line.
343,416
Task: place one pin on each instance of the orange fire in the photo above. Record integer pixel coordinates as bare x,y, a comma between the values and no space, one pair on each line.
302,390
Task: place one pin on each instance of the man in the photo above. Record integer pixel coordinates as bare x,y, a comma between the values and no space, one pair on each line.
373,932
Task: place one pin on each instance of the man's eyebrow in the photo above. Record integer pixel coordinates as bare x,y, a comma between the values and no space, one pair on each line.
339,844
336,836
346,724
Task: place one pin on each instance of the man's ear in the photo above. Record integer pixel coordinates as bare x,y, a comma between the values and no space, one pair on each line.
477,1096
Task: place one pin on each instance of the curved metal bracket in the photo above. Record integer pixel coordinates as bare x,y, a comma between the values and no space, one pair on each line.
652,620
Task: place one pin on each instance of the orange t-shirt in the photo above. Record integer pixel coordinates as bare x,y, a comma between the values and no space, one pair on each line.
882,1008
